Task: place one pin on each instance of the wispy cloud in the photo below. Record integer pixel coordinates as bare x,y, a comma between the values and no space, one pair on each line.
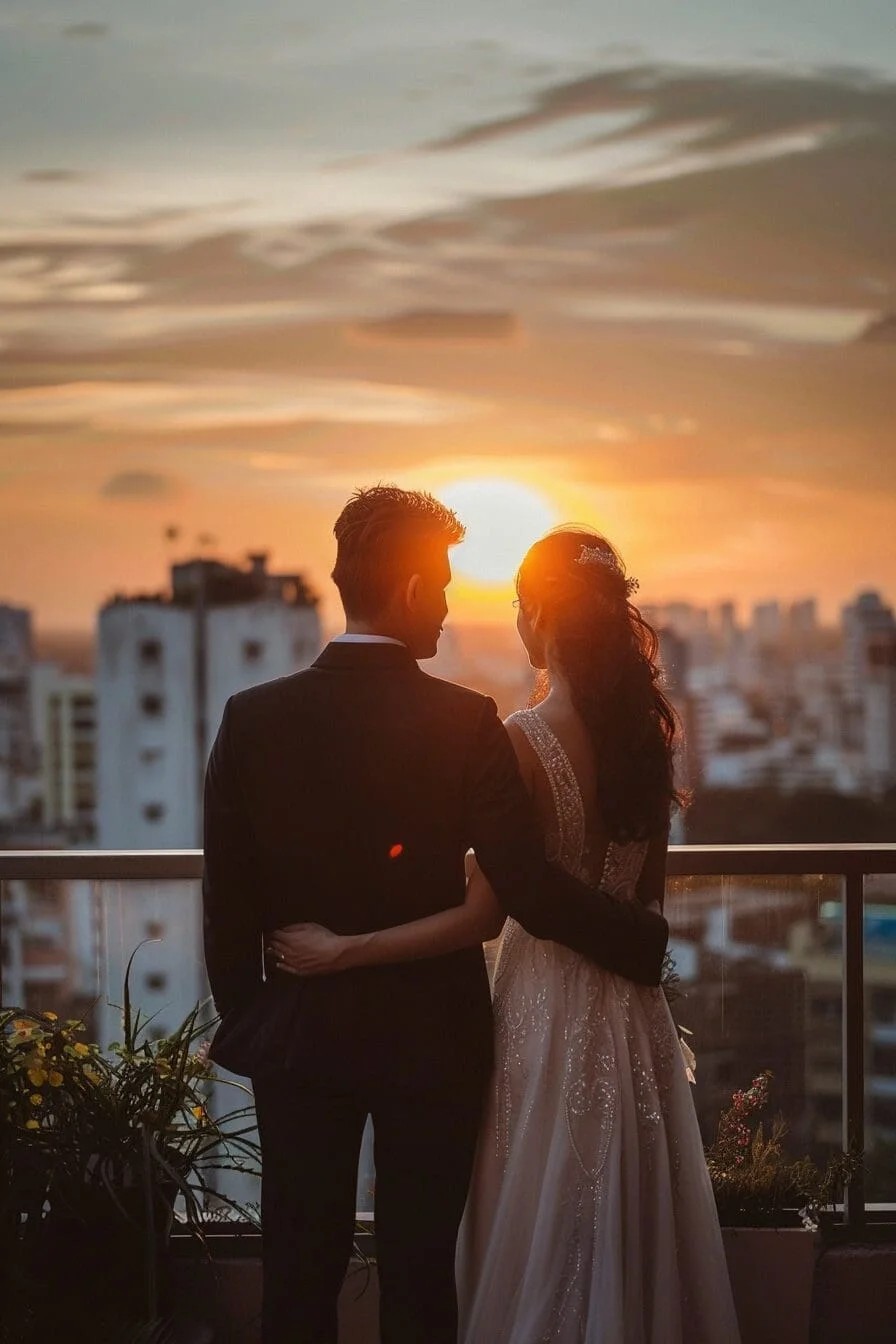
87,29
226,403
53,175
717,110
808,323
442,325
138,485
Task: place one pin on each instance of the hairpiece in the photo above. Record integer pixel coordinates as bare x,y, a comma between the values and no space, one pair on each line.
595,555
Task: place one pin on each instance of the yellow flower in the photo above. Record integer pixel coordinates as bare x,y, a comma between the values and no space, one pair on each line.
36,1099
92,1075
32,1124
55,1078
199,1112
21,1025
82,1049
51,1017
37,1077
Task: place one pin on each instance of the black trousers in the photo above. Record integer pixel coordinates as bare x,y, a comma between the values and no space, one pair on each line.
424,1143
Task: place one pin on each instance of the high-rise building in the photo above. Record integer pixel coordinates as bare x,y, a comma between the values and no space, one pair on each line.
49,945
803,623
674,656
63,713
868,615
167,665
17,750
767,624
879,719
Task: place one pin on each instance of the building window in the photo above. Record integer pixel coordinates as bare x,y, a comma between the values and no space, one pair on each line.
253,650
153,811
883,1005
883,1058
829,1108
826,1009
150,652
883,1111
156,981
152,705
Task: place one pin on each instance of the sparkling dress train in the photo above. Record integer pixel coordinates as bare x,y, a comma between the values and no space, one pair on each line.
591,1218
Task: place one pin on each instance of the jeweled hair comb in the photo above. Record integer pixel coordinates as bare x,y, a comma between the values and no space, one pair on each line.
594,555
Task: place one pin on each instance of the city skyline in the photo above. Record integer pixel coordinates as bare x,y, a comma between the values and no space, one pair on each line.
639,266
829,616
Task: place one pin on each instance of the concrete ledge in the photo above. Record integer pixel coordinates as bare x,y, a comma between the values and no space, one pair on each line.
854,1296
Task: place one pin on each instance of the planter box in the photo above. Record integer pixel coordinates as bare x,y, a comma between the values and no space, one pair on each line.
771,1270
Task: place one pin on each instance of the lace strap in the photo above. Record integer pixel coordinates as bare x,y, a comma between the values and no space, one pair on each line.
568,804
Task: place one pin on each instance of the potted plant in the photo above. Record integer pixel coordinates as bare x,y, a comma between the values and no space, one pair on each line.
101,1152
769,1206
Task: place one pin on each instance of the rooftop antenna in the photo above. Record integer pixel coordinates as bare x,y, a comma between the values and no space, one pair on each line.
172,536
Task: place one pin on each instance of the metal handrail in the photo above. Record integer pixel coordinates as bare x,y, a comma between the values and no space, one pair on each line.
683,861
852,862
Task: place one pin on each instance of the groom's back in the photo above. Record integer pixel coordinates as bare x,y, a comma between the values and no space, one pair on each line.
354,775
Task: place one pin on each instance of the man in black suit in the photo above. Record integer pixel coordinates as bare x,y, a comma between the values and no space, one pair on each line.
348,795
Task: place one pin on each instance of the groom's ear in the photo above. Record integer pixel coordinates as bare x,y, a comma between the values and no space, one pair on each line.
412,592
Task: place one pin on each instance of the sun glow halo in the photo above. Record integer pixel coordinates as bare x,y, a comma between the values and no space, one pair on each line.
502,519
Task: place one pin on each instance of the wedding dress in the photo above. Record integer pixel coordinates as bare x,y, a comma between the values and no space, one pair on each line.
591,1217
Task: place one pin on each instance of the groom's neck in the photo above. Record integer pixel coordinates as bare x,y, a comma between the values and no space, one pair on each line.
356,627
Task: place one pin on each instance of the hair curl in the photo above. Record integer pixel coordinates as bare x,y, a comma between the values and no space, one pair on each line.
607,653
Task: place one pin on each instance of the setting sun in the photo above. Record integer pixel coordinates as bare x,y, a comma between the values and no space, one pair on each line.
502,519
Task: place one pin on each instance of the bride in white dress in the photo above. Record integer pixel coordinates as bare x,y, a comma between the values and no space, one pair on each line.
591,1218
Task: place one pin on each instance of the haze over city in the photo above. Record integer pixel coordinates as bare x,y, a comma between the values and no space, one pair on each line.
634,270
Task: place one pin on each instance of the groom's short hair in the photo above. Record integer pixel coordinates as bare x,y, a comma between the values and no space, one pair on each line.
385,535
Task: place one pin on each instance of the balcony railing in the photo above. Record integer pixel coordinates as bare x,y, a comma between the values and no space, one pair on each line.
851,867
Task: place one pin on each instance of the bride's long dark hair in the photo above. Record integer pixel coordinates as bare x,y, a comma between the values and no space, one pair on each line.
607,653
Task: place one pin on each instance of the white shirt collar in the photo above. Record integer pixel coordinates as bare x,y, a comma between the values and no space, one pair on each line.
367,639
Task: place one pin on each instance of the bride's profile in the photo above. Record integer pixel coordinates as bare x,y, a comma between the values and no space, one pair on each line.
590,1218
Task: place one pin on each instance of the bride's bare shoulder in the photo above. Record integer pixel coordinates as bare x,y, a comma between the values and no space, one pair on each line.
527,759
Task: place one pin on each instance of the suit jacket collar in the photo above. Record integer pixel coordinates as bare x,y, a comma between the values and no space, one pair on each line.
366,657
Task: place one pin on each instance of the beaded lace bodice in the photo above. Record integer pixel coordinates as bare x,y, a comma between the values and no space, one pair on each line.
568,844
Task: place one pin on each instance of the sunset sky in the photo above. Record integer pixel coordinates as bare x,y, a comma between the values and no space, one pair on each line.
624,261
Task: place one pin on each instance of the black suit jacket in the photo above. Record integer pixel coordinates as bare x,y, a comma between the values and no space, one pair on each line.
349,794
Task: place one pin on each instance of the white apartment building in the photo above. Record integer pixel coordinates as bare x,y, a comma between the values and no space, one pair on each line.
167,665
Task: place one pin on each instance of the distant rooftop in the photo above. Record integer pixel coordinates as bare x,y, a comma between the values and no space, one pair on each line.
221,585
